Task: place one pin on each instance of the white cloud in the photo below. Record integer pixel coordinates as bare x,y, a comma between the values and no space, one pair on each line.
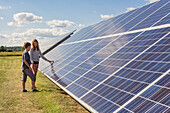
25,18
3,36
5,7
39,33
151,1
81,25
61,23
13,24
44,35
129,9
1,18
106,16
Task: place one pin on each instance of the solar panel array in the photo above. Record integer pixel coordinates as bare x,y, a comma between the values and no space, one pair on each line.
118,65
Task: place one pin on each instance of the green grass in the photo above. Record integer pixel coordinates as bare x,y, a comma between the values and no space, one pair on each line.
3,54
50,99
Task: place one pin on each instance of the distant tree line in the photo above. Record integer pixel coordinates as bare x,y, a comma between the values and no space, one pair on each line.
11,49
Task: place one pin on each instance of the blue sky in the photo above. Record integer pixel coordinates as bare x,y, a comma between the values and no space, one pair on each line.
24,20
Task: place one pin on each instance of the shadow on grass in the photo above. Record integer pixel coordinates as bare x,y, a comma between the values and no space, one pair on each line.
55,90
32,92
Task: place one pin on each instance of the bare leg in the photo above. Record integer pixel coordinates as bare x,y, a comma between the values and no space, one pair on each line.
36,69
33,68
23,84
33,84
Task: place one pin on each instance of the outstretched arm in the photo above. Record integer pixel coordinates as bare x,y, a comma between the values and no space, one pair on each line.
42,56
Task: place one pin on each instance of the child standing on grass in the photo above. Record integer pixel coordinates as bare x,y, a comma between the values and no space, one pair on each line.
26,69
35,52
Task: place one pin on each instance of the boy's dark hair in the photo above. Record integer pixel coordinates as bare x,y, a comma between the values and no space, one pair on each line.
26,44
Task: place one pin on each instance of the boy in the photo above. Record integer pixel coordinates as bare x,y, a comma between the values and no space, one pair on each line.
26,69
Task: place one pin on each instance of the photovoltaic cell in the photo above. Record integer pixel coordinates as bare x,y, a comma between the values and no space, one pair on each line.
95,58
97,29
165,20
157,94
128,81
132,20
162,11
110,72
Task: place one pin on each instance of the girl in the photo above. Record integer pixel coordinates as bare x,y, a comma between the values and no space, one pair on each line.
34,56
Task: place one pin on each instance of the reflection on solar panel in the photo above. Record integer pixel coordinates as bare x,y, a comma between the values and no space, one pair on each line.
119,65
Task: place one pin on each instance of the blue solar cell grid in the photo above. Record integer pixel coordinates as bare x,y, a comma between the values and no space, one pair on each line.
106,71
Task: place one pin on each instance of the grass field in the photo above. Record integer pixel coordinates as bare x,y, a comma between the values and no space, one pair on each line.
3,54
50,99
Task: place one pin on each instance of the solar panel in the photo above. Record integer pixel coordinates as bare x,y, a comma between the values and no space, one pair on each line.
119,65
126,21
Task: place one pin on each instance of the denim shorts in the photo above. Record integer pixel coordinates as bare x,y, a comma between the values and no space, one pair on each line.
27,72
